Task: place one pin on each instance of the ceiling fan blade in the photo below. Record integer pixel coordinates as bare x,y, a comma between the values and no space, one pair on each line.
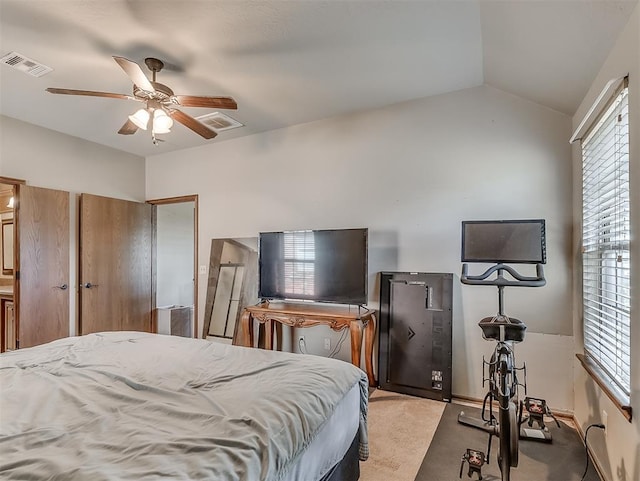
128,128
90,93
135,73
212,102
193,124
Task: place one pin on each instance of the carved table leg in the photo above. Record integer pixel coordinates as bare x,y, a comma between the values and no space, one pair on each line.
278,335
355,329
268,335
247,329
369,334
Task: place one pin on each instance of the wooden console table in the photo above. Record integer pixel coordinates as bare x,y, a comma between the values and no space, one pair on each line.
308,315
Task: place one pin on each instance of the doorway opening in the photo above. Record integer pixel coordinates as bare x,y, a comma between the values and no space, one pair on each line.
7,304
175,256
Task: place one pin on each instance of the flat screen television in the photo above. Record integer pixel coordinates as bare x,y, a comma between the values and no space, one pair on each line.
316,265
504,241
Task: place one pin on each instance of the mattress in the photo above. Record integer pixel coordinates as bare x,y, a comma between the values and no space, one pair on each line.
331,442
125,405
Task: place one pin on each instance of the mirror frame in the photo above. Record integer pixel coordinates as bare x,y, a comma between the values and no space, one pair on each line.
7,233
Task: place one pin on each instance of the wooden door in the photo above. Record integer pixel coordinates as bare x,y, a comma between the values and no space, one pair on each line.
42,281
115,265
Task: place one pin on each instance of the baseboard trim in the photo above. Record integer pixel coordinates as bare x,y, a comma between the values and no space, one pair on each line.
560,413
594,460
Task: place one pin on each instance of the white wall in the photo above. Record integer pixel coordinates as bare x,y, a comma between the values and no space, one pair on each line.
410,173
618,453
45,158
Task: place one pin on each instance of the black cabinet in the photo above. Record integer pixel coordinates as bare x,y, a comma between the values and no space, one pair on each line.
415,333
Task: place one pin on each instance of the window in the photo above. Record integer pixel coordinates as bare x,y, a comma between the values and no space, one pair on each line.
606,291
299,262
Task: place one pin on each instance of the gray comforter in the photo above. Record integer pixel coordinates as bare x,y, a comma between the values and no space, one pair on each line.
131,406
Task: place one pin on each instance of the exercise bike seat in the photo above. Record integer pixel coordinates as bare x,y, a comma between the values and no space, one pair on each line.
492,326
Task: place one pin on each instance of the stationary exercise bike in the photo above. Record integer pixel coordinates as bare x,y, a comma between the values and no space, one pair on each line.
502,370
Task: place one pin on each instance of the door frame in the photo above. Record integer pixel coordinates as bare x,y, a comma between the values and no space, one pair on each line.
16,253
154,280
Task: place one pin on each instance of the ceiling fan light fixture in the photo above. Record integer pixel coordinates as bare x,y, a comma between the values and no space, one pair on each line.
140,118
162,123
159,100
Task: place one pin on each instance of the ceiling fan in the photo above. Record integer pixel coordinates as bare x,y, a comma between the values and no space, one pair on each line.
159,99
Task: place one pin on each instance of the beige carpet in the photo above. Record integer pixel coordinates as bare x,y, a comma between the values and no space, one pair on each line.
400,430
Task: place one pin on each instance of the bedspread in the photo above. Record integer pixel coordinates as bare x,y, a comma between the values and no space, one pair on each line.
131,406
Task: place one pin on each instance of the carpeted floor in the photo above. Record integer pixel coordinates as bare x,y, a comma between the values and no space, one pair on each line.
402,428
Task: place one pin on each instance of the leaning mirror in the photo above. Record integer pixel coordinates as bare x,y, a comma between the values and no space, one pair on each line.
233,285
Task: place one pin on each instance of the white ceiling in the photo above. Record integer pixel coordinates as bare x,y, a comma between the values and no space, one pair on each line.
295,61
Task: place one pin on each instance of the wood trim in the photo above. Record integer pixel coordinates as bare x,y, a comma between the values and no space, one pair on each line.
11,180
177,200
617,397
16,259
174,200
154,270
76,288
195,265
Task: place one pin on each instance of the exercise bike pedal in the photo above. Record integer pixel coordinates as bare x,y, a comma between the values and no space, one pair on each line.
476,460
536,410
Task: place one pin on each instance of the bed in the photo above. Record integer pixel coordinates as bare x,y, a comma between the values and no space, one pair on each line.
133,406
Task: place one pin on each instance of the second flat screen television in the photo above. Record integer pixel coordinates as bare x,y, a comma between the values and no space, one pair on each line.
317,265
504,241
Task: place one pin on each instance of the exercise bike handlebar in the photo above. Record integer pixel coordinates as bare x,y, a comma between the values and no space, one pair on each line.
519,280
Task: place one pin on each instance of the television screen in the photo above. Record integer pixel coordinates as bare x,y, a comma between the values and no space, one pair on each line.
506,241
318,265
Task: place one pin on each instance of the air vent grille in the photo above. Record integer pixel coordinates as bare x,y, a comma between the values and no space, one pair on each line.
219,121
25,64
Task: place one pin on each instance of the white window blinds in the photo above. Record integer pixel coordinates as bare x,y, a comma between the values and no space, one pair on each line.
605,242
299,262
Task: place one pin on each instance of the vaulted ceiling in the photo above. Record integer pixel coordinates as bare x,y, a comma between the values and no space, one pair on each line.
295,61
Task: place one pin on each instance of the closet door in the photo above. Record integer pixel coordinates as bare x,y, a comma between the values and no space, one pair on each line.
42,286
115,265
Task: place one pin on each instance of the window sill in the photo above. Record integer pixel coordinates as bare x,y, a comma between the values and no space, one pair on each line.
619,399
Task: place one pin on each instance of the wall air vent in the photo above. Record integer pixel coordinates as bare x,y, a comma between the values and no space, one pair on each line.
219,122
25,64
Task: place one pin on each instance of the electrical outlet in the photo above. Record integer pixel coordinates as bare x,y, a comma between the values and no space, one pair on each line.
605,417
301,343
327,344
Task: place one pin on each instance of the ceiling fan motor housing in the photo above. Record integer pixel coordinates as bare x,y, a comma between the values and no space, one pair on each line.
162,93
